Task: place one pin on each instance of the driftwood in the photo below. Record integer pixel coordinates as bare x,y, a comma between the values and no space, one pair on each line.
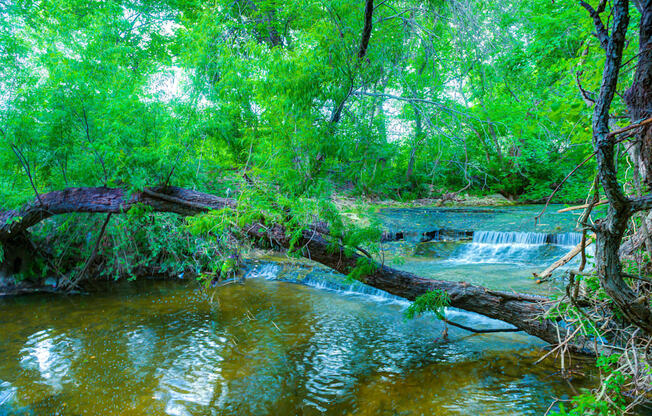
584,206
520,310
568,257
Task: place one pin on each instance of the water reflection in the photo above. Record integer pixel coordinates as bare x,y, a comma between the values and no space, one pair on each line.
51,355
269,348
140,344
190,380
7,393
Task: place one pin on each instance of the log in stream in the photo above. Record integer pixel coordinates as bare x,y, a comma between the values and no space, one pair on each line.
520,310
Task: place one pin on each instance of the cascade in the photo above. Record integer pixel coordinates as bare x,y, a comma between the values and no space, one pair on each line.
333,283
513,237
515,247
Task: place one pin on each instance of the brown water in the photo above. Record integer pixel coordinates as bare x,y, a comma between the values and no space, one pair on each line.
266,348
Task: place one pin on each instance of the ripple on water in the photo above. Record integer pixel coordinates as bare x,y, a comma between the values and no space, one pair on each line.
192,379
140,346
50,354
7,393
334,358
269,348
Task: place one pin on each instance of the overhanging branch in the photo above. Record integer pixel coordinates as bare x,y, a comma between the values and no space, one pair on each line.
523,311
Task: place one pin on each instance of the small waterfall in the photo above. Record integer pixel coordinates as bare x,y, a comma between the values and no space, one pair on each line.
515,247
319,279
521,238
355,288
566,239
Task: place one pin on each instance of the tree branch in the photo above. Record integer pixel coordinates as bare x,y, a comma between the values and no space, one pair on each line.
366,29
601,31
517,309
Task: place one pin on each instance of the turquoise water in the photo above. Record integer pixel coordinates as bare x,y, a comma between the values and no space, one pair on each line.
511,248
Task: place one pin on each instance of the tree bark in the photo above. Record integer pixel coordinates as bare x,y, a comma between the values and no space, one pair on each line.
366,29
638,97
418,136
610,230
336,114
106,200
521,310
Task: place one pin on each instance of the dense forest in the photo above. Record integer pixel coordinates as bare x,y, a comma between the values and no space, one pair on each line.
186,137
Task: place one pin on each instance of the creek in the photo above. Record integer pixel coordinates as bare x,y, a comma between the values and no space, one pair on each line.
270,346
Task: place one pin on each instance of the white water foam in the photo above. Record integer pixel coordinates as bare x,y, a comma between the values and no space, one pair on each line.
522,238
495,247
271,271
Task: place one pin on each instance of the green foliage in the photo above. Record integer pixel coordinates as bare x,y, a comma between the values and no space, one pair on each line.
363,267
139,243
434,301
589,403
129,94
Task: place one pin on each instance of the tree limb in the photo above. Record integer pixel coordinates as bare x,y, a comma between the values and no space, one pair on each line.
520,310
366,29
600,30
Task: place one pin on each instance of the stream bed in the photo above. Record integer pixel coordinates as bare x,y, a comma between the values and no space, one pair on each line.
269,346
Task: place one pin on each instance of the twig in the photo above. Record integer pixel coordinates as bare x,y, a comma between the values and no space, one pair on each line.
536,219
23,161
167,179
90,142
568,257
90,259
630,127
604,201
610,135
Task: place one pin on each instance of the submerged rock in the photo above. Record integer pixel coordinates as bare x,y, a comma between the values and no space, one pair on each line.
437,249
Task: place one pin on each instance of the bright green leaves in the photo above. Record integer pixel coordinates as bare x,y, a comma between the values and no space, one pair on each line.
363,267
613,398
77,95
434,301
125,92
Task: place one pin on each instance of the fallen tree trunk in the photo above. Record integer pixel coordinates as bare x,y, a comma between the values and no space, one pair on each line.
106,200
521,310
518,309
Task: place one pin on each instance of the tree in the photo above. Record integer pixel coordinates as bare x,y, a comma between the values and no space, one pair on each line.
610,230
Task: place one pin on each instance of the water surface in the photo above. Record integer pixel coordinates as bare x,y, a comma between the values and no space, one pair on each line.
269,347
504,252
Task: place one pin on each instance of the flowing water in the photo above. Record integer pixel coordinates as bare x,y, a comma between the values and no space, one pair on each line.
505,249
272,347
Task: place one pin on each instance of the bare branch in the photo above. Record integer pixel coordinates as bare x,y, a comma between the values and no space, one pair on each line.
416,100
601,31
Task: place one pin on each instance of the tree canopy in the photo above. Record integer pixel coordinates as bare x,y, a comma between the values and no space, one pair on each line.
447,95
